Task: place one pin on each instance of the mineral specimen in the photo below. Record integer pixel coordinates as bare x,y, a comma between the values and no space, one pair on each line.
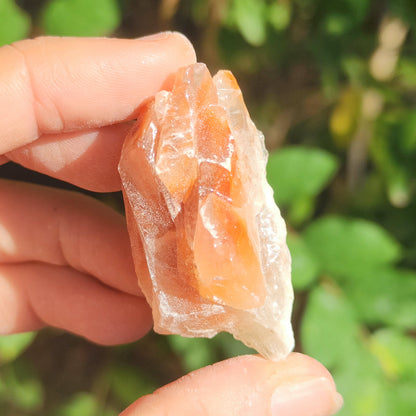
198,203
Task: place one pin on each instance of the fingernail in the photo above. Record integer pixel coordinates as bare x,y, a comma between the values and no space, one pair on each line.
314,397
156,36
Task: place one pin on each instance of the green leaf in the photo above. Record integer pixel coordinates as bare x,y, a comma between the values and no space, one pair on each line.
129,383
305,268
360,381
194,352
329,330
84,404
396,353
23,389
231,346
401,399
384,296
346,246
11,346
250,18
407,72
337,24
301,210
279,15
15,23
299,172
81,17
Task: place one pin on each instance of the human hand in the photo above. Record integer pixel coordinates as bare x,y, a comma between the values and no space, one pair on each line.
65,259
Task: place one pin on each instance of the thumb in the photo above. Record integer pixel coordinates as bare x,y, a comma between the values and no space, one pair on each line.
246,385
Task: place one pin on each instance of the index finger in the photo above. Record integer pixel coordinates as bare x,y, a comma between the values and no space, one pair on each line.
52,85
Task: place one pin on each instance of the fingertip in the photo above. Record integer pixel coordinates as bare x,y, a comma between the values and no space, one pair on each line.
177,40
185,45
249,385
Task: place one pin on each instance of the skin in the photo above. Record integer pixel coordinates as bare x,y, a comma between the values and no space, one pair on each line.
66,105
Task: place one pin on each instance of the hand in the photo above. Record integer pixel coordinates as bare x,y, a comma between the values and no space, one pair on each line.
65,260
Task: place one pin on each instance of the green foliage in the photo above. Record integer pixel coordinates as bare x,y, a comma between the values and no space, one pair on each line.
328,319
230,347
128,383
396,353
249,17
81,17
195,352
279,15
396,158
345,246
384,296
85,404
21,387
11,346
15,23
305,268
80,404
299,172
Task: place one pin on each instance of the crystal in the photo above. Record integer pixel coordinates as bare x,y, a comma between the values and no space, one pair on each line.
198,203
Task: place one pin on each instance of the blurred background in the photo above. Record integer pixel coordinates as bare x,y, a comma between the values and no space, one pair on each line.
332,84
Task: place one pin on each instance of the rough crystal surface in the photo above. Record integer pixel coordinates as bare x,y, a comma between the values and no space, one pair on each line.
197,201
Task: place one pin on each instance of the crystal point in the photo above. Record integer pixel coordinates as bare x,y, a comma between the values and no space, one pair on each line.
198,203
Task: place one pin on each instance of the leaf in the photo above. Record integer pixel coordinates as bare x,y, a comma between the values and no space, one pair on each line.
250,18
84,404
384,296
279,14
299,172
11,346
81,17
194,352
396,353
23,389
231,346
129,383
337,24
406,71
15,23
301,210
401,399
305,268
346,246
329,330
360,381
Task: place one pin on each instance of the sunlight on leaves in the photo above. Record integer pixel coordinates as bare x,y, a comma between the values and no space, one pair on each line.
346,246
298,172
329,329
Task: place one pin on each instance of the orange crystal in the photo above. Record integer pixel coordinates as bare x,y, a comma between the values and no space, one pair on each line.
197,201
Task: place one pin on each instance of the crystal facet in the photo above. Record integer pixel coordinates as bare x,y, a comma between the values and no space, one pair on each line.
197,201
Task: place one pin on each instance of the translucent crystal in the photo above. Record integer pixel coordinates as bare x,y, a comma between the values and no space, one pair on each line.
197,201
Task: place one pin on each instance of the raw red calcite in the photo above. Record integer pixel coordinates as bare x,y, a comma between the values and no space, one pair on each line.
198,203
